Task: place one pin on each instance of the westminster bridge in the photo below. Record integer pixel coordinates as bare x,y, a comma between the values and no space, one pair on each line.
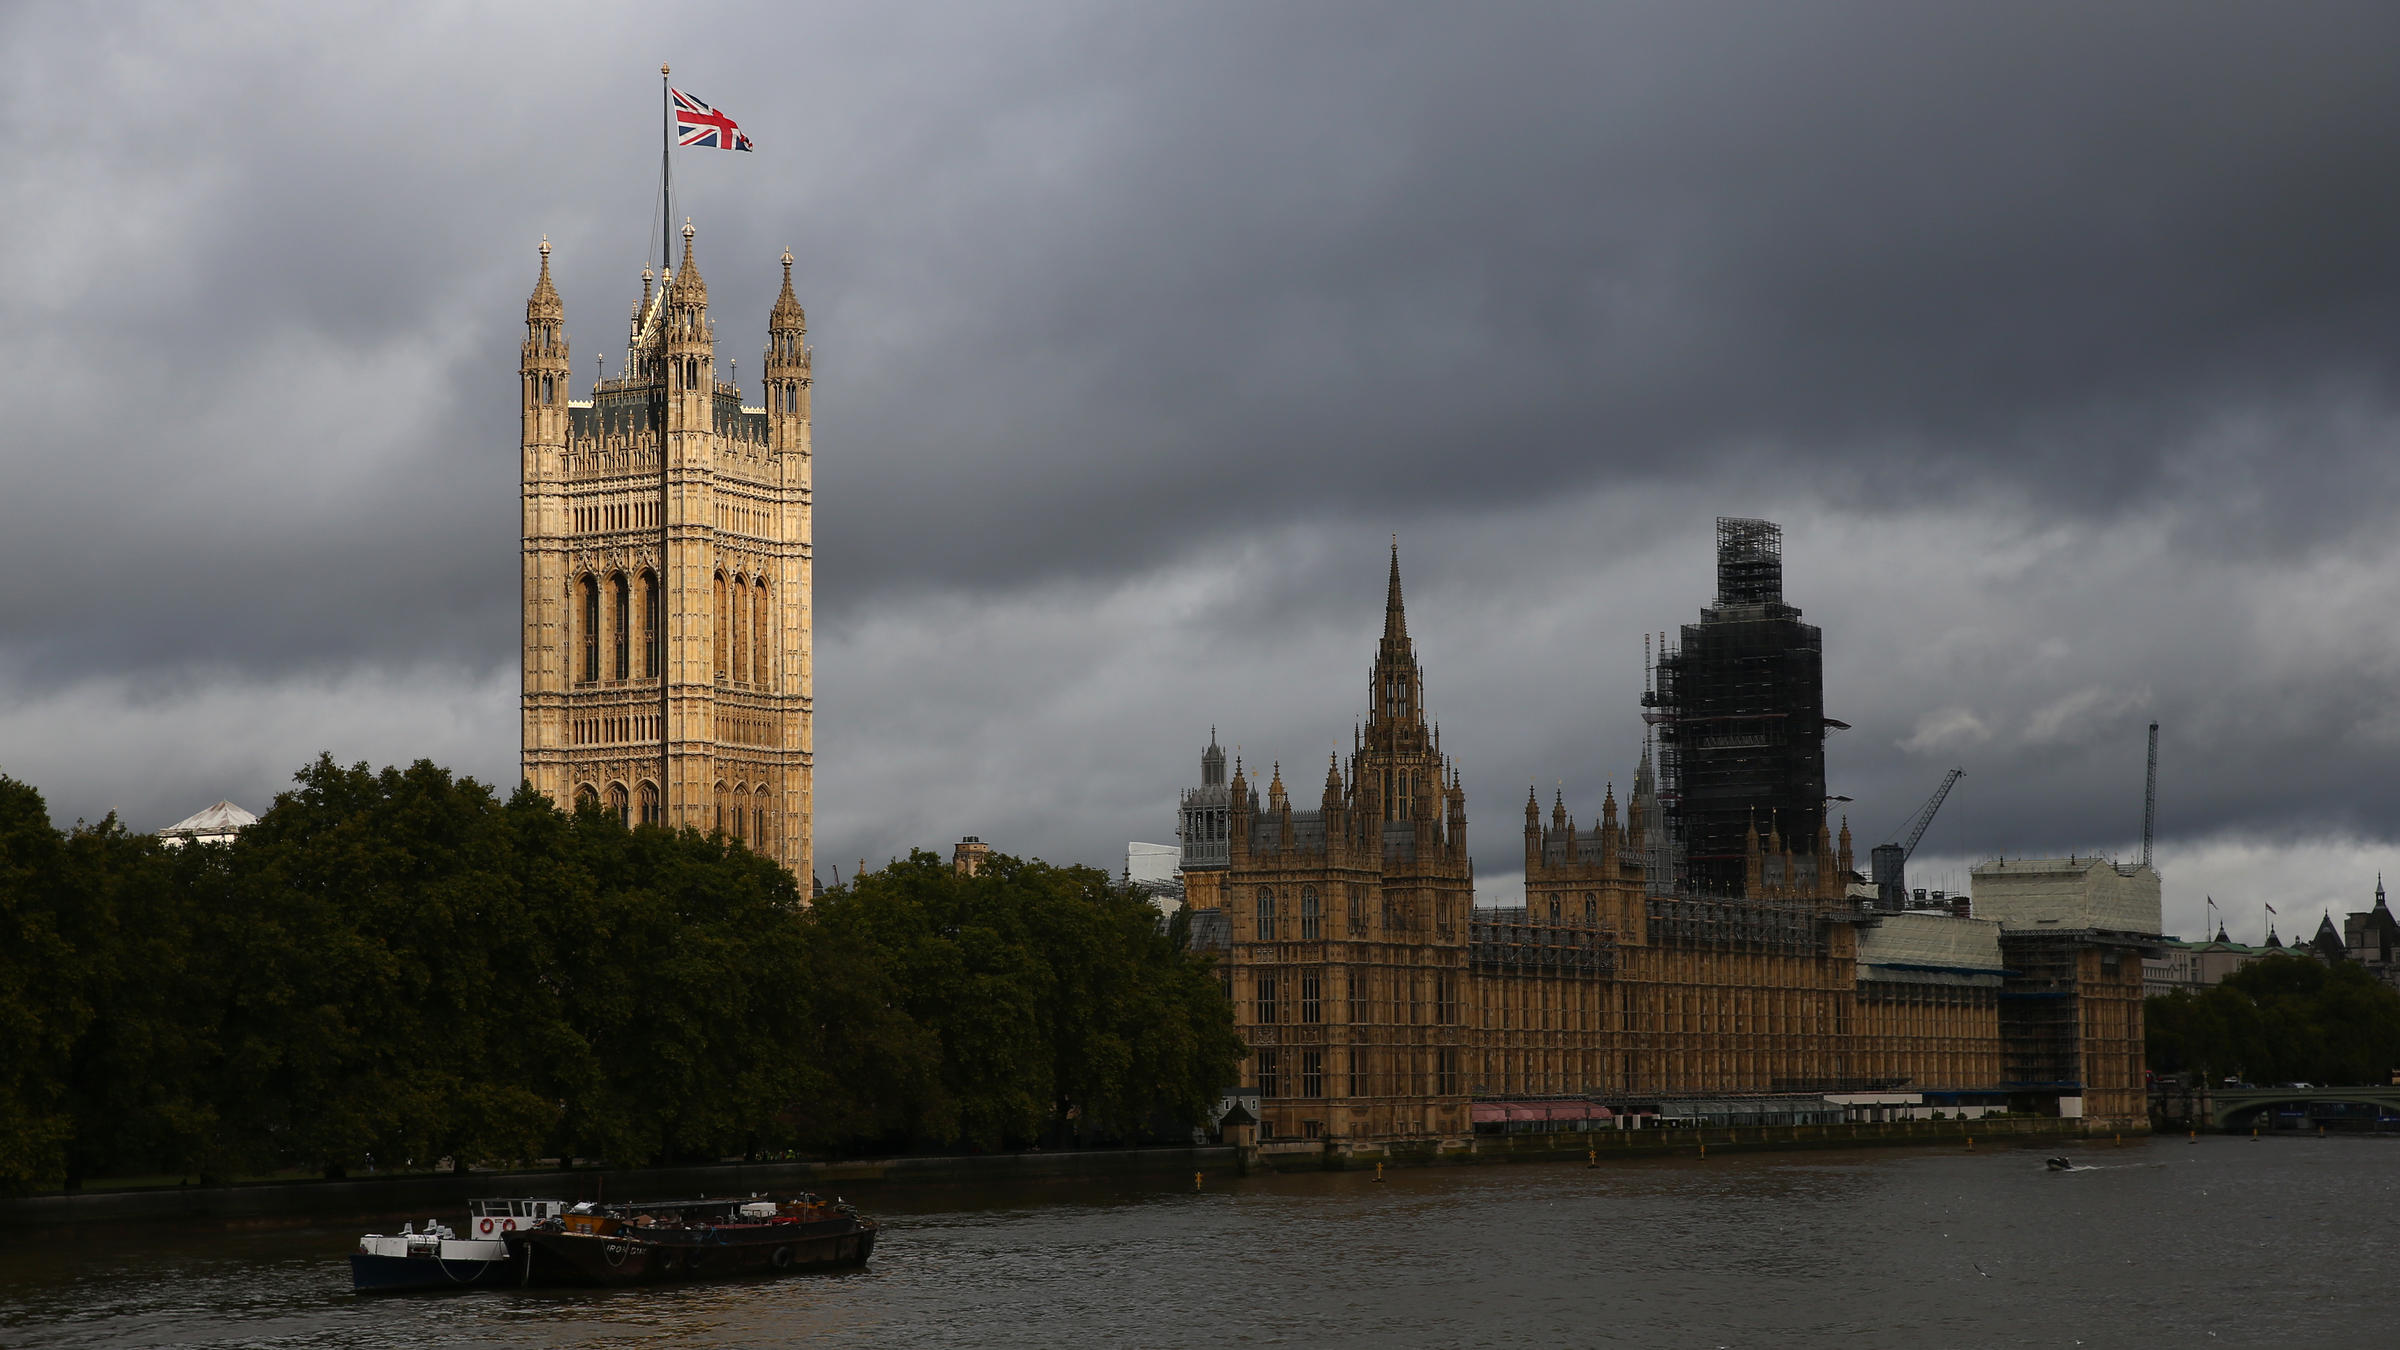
2371,1108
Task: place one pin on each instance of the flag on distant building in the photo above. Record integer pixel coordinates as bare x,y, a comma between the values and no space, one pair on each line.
697,124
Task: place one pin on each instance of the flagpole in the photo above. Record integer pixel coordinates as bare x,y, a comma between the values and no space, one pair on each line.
666,537
666,177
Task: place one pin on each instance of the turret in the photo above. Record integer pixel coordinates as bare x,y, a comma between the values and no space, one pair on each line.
641,313
542,363
1533,831
542,406
1831,884
1212,762
689,339
1754,863
788,383
1240,806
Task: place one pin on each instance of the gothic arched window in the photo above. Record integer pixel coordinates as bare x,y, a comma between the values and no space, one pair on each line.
1308,914
723,673
591,627
647,795
586,795
621,597
617,805
762,631
739,597
654,656
1554,909
1266,915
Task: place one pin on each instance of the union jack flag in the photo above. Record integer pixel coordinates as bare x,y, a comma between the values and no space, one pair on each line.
698,124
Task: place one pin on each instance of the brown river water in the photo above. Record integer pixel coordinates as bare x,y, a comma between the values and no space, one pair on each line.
2226,1242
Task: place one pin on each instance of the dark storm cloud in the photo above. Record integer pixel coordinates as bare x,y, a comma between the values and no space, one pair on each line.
1108,296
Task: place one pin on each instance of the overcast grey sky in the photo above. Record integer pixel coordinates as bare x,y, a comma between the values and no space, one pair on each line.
2059,338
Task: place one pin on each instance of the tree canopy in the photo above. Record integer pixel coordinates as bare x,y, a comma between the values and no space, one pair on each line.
2281,1019
401,964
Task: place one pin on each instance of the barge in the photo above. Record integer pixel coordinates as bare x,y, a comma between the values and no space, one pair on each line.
682,1240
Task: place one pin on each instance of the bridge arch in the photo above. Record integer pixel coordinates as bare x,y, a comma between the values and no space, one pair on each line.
2245,1108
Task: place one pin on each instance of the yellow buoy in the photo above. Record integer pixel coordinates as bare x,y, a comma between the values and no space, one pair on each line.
1195,1183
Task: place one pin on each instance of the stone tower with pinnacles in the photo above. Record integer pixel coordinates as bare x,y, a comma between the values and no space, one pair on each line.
667,672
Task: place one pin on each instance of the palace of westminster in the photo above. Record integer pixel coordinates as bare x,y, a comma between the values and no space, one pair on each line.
1707,941
667,569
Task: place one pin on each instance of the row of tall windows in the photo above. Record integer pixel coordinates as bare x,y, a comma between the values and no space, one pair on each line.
620,633
743,817
639,807
745,631
1311,1075
609,623
1408,1007
1310,921
1591,910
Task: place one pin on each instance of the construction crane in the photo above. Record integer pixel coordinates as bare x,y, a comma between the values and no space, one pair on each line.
2150,798
1889,862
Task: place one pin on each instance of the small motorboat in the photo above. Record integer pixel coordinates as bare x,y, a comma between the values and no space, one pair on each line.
439,1258
2059,1164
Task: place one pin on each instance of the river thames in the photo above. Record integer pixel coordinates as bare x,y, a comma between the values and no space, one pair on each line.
2162,1243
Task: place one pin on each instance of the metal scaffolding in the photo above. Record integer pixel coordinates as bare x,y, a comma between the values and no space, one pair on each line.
1740,712
1506,940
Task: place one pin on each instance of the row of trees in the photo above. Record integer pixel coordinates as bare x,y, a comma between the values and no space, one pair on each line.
2280,1019
400,964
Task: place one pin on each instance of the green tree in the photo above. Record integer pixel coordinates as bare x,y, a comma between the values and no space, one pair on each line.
1055,1000
41,1008
397,963
2280,1019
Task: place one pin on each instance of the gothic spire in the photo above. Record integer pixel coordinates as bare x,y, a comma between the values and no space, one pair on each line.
1396,694
787,312
544,302
689,288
